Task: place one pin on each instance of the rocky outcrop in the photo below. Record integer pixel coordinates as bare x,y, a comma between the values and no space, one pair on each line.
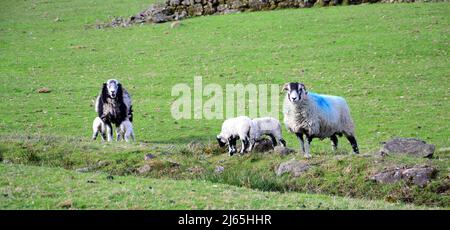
283,151
263,145
418,175
410,146
295,167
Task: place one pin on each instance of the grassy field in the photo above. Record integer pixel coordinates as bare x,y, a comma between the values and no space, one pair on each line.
390,61
29,187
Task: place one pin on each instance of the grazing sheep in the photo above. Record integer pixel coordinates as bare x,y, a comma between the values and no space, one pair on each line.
266,126
113,105
98,126
317,116
233,129
125,131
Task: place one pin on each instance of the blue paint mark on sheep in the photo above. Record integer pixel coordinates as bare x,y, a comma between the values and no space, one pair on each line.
320,101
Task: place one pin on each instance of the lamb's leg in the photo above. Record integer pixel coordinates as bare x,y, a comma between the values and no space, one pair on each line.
274,141
95,134
132,135
302,142
283,142
119,134
353,142
244,146
103,135
109,132
251,145
231,145
334,142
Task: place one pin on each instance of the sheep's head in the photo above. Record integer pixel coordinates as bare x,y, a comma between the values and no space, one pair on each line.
295,91
113,88
221,141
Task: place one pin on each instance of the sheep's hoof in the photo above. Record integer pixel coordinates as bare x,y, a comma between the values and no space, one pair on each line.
307,156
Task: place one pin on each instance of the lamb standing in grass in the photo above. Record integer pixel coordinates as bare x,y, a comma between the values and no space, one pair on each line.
266,126
98,126
233,129
317,116
125,131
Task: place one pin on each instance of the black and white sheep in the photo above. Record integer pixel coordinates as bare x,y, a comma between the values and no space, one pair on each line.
113,105
125,131
317,116
266,126
234,129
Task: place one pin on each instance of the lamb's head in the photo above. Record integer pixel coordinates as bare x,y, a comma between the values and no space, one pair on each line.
222,141
112,88
295,91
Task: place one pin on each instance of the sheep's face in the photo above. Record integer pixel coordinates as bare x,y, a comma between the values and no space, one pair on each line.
221,141
295,91
112,86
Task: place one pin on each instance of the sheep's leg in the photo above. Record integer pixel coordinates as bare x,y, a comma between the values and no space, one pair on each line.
244,146
274,141
307,144
126,137
251,145
109,132
103,135
94,135
132,136
119,134
302,142
334,142
231,145
353,143
283,142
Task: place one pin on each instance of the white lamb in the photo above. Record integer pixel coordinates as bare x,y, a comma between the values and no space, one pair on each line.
125,131
317,116
266,126
233,129
98,126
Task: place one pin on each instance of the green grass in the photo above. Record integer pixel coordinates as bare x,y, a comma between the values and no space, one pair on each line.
390,61
30,187
337,175
370,54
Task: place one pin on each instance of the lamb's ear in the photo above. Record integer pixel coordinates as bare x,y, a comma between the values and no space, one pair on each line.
104,93
286,86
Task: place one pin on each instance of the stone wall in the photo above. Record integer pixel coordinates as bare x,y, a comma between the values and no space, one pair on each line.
172,10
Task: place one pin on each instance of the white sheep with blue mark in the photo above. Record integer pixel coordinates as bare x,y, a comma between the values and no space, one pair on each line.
233,129
317,116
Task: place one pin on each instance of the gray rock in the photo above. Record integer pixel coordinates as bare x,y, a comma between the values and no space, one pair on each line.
149,156
418,175
410,146
144,169
174,2
198,9
264,145
283,150
295,167
83,170
219,169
